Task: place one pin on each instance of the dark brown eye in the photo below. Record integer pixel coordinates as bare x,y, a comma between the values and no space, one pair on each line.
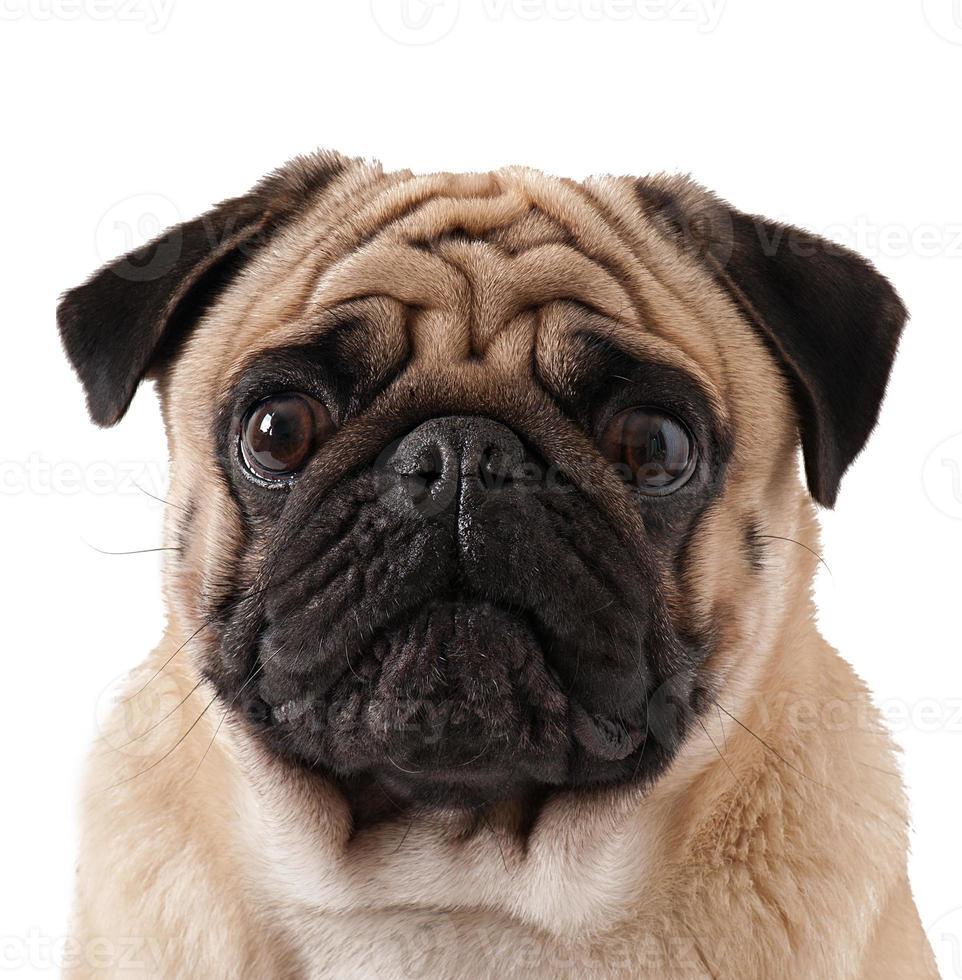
280,433
650,448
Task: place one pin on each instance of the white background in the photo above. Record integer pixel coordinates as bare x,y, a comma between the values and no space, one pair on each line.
120,116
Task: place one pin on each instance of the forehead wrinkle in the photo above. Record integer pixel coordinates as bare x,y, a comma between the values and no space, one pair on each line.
594,227
512,349
414,277
615,198
329,231
501,286
422,210
377,215
492,289
557,271
333,236
375,341
488,288
481,287
423,204
289,255
372,218
532,228
564,202
556,331
477,215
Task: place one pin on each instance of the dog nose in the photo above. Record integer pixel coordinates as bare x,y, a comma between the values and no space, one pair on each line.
444,455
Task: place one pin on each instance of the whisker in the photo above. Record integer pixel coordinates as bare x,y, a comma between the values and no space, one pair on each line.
397,806
167,662
778,537
250,594
136,551
741,785
347,652
487,745
410,772
147,731
718,752
884,772
193,636
179,741
721,725
230,705
404,836
160,500
497,840
774,751
799,772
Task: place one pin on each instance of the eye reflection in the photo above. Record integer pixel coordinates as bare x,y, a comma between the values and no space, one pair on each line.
650,448
280,433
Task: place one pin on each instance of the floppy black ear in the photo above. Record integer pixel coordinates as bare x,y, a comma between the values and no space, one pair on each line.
131,316
829,318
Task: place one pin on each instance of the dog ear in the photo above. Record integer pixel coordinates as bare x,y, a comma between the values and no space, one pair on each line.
829,318
131,317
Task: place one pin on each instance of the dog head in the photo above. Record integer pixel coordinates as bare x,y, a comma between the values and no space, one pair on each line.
475,477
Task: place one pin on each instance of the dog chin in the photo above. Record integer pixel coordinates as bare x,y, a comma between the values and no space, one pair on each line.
458,695
457,704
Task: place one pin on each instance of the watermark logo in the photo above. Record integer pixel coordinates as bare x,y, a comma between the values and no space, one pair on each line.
945,935
416,22
130,222
36,950
944,17
39,476
942,476
895,241
704,14
153,14
143,715
422,22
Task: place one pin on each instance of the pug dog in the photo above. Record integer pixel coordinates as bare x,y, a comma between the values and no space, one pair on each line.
491,649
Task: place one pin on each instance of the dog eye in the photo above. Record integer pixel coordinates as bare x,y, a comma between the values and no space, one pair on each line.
280,433
650,448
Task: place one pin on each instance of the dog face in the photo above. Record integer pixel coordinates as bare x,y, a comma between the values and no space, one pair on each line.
475,477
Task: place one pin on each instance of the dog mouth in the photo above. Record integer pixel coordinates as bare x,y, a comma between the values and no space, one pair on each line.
457,684
451,660
458,699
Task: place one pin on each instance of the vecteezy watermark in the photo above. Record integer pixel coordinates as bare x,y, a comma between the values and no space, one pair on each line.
426,720
130,222
896,241
145,714
944,17
942,476
928,716
945,935
704,14
419,22
877,240
37,950
44,477
153,14
423,949
416,22
422,483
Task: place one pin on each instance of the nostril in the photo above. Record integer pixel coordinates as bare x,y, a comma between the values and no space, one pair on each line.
431,460
420,470
428,466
